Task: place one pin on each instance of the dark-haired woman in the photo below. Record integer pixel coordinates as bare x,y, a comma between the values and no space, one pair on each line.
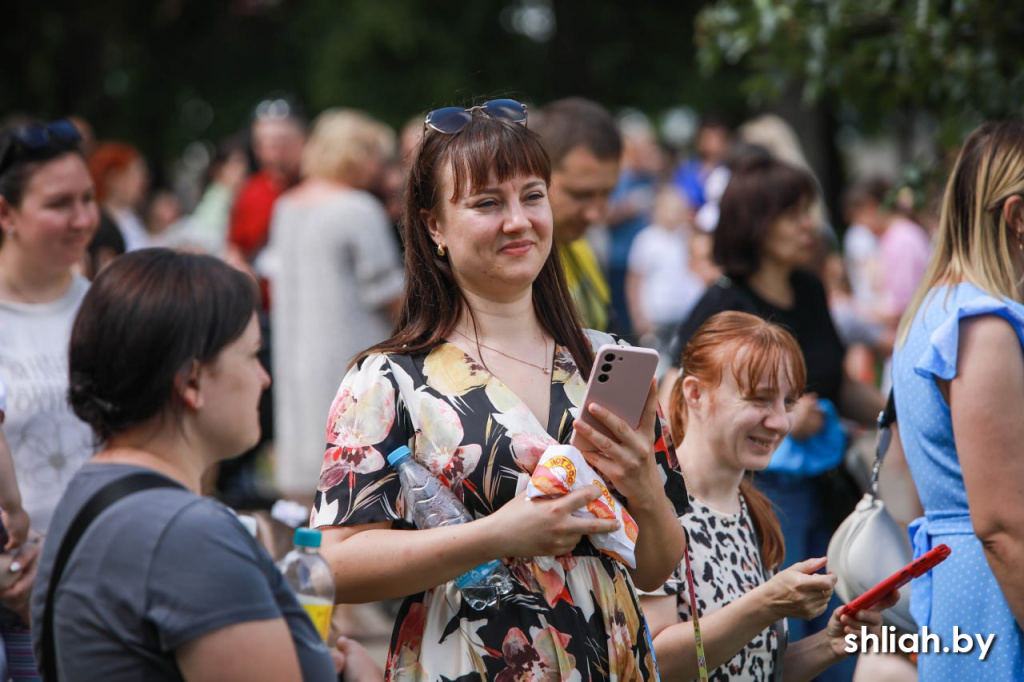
731,407
765,240
48,215
165,584
487,369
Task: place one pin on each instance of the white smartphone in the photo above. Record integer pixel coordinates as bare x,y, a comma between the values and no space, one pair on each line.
620,381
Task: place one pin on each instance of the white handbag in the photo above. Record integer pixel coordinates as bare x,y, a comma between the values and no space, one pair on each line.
869,545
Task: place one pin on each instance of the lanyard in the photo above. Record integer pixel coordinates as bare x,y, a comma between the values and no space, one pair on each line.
701,660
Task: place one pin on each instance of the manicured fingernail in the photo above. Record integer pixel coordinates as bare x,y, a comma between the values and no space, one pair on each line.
595,408
14,567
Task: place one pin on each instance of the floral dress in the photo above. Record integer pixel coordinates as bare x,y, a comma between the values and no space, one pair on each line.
572,617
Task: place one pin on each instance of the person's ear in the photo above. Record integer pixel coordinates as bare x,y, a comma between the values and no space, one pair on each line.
430,220
7,211
188,385
1012,212
694,395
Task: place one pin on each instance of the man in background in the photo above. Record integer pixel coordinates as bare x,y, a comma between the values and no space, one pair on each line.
585,147
278,136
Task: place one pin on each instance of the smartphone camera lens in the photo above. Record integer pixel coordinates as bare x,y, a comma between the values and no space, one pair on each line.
608,357
606,368
601,378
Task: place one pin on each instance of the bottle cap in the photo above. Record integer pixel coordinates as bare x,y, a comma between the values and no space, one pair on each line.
399,454
307,537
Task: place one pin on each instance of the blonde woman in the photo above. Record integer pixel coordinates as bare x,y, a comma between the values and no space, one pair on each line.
336,280
958,376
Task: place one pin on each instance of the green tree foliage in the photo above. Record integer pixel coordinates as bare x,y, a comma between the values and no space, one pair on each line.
162,73
958,59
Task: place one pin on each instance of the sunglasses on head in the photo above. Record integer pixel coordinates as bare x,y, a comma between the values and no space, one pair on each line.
35,138
451,120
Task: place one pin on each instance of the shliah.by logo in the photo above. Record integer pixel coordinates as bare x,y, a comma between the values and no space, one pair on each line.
916,643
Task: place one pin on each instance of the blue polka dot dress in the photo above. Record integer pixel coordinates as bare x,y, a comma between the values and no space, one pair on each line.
962,591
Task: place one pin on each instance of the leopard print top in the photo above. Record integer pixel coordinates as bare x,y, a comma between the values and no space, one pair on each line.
726,564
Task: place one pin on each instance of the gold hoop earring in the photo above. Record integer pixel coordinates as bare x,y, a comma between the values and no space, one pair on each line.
441,251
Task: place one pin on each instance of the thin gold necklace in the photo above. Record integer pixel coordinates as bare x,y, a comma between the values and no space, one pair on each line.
480,343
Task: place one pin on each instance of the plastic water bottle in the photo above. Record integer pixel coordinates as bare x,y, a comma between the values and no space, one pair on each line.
433,505
311,579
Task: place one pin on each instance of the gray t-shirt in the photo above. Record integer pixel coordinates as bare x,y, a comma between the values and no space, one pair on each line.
154,571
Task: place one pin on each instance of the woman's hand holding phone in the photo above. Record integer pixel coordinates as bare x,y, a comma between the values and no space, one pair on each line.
798,591
627,459
842,624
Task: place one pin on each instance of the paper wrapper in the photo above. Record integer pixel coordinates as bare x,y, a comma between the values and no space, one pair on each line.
561,469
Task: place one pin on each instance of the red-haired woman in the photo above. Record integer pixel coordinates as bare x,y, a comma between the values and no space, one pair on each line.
732,405
121,178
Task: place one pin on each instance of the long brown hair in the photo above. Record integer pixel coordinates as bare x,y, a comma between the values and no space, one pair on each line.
755,349
760,190
433,302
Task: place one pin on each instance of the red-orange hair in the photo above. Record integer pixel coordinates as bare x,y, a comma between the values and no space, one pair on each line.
109,157
755,350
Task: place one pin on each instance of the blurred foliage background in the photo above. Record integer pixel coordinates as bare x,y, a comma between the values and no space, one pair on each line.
164,73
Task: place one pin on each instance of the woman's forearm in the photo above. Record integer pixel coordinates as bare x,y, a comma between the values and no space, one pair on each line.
381,563
1005,554
724,633
809,656
660,543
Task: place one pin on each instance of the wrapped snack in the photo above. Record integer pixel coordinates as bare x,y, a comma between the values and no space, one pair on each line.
562,468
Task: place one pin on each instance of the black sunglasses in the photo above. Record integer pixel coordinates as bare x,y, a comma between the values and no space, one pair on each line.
34,138
451,120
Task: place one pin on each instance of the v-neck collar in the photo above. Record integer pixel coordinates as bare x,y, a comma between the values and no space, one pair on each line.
556,408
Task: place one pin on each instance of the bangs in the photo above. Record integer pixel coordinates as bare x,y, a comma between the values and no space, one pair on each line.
485,145
764,356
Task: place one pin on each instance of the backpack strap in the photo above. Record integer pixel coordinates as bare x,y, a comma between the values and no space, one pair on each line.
101,499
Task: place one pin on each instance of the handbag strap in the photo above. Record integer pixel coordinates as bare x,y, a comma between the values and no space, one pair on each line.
886,418
698,641
101,499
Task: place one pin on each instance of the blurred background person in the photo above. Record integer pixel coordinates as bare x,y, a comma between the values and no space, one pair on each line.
122,179
958,380
712,143
278,134
660,286
585,147
337,280
162,214
630,207
866,221
48,215
210,218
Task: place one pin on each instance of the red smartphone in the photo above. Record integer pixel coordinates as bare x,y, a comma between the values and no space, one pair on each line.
914,569
619,381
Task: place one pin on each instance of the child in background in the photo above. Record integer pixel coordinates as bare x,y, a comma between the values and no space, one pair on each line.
661,288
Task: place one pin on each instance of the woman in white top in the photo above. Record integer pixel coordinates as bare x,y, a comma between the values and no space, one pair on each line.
48,215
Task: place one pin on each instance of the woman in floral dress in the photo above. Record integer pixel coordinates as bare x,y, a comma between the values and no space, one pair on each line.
486,369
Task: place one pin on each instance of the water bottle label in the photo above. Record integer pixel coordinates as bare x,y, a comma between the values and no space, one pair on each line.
319,611
478,575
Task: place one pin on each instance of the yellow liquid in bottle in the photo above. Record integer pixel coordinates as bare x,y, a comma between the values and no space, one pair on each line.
319,610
